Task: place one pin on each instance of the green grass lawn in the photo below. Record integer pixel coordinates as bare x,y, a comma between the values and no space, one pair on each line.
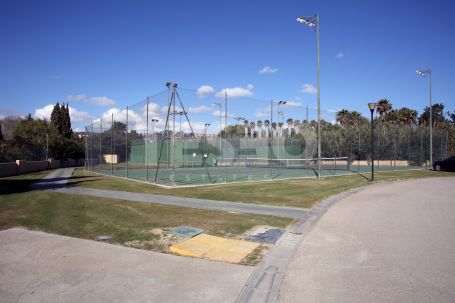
127,223
297,193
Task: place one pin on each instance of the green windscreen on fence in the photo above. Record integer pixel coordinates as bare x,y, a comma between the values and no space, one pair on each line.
187,137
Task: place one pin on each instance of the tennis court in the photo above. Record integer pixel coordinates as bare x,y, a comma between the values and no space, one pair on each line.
245,172
179,137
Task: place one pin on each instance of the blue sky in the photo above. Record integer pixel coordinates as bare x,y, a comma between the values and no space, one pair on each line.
100,55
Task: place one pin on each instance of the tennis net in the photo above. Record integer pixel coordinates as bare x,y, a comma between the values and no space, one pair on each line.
338,163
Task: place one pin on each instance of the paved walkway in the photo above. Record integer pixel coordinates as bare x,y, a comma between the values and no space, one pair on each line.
40,267
57,181
391,242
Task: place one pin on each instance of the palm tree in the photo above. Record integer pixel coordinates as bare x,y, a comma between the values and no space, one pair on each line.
342,117
289,121
296,126
259,124
245,124
355,118
252,126
266,124
384,107
273,127
408,116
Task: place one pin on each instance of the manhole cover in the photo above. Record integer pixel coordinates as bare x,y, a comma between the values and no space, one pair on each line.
268,236
185,231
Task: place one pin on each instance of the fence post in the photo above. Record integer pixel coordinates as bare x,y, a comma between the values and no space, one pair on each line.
101,144
145,141
126,139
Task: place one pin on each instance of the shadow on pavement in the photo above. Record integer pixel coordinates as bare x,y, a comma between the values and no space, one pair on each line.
12,186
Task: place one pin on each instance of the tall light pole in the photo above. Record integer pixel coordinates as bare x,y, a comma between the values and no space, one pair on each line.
219,105
282,102
372,106
205,135
238,121
180,113
313,21
423,73
153,126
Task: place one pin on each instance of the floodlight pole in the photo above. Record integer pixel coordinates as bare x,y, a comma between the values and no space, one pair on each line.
219,105
319,100
153,126
423,73
313,21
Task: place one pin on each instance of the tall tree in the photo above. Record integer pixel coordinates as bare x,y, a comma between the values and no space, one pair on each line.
67,132
57,118
451,117
1,134
437,113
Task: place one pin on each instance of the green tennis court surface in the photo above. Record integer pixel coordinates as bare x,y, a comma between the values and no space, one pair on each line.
216,175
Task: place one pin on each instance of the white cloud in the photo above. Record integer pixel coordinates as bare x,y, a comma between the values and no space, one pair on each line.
205,90
339,55
78,116
102,101
261,114
236,92
250,86
44,112
292,104
217,114
75,115
268,70
333,110
199,109
80,97
309,89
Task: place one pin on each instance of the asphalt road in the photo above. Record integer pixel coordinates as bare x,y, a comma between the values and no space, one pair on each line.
388,243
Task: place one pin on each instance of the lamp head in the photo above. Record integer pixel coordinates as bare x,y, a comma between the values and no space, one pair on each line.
372,106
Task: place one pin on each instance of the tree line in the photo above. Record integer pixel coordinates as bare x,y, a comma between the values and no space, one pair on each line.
38,139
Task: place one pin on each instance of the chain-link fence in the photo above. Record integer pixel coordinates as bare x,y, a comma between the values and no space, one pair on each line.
186,137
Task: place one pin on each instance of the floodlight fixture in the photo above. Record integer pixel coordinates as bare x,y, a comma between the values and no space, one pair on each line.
423,72
311,21
170,84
